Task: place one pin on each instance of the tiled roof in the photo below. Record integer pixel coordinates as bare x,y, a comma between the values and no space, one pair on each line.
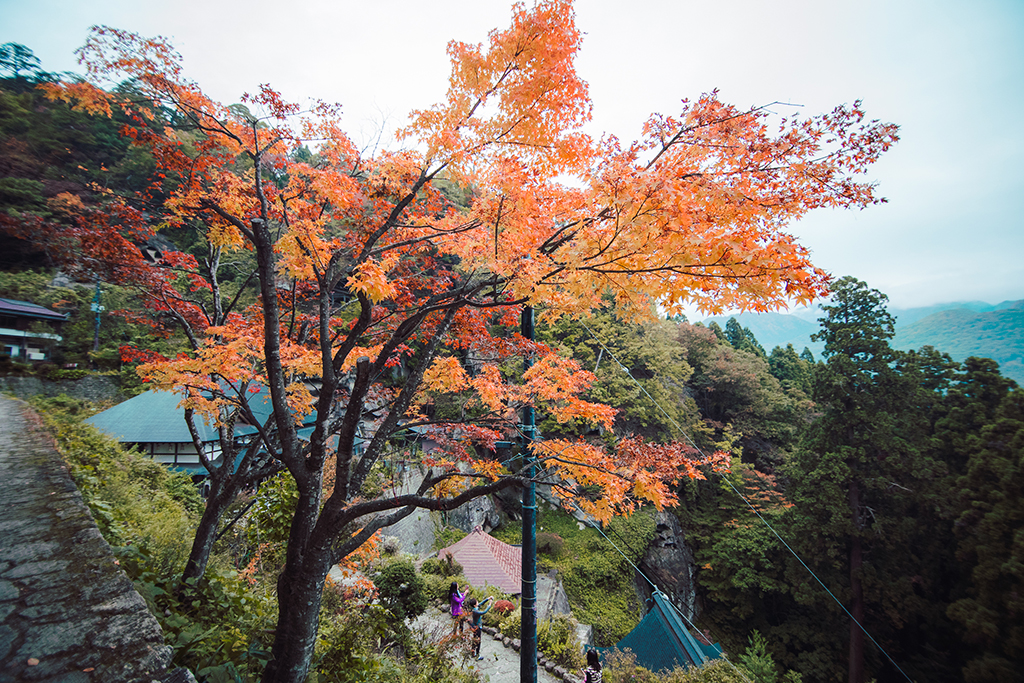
29,310
486,561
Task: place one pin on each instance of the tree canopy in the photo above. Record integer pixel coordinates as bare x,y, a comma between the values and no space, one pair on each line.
375,282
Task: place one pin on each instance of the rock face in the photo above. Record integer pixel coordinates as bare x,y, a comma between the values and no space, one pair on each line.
551,597
476,513
669,563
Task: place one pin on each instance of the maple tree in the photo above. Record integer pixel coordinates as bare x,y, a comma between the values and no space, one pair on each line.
366,269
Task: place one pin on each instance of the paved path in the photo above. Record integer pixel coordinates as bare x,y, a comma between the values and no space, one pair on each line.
500,664
67,612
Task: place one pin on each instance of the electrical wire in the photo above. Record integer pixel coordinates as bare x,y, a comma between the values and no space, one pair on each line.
637,569
749,505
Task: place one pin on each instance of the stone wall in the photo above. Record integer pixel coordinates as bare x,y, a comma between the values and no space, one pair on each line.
97,388
67,611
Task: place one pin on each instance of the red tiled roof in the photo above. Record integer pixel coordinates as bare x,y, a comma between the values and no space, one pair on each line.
486,561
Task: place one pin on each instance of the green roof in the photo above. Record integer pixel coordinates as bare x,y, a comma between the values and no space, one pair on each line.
154,417
150,417
661,641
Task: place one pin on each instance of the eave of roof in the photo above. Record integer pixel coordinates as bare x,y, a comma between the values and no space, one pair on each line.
29,310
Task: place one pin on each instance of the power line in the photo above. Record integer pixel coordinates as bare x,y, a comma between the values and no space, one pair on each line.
637,569
749,505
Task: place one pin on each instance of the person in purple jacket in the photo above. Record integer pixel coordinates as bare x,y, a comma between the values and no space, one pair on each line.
455,599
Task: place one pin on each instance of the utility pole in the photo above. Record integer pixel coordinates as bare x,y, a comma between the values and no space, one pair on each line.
98,309
528,641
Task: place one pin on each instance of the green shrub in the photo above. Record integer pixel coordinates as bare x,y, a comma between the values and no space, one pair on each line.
436,587
497,614
445,536
401,589
619,666
512,624
550,544
54,373
270,518
449,567
557,639
432,566
441,567
346,648
217,626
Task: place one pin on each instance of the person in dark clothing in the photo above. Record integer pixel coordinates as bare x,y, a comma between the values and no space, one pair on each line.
478,622
592,674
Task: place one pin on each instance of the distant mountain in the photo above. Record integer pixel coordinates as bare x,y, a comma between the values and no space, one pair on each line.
907,316
997,333
961,329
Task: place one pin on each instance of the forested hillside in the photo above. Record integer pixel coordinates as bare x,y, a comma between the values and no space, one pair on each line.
962,333
895,476
960,329
889,460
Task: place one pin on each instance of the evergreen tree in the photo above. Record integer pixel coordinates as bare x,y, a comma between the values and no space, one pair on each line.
792,371
852,482
989,416
742,339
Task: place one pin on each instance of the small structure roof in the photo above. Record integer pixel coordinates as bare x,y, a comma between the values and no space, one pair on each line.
486,561
154,417
29,310
150,417
662,642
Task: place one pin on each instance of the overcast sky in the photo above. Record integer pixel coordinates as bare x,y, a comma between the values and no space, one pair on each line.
951,74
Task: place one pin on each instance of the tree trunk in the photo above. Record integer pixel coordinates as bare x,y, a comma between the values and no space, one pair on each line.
856,671
206,533
299,592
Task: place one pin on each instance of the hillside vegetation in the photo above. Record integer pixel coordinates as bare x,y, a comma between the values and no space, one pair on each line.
960,329
890,459
963,333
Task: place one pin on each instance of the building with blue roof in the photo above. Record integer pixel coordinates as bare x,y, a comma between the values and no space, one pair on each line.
154,423
661,641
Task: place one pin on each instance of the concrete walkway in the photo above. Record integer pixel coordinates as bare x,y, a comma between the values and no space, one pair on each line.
500,664
67,611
